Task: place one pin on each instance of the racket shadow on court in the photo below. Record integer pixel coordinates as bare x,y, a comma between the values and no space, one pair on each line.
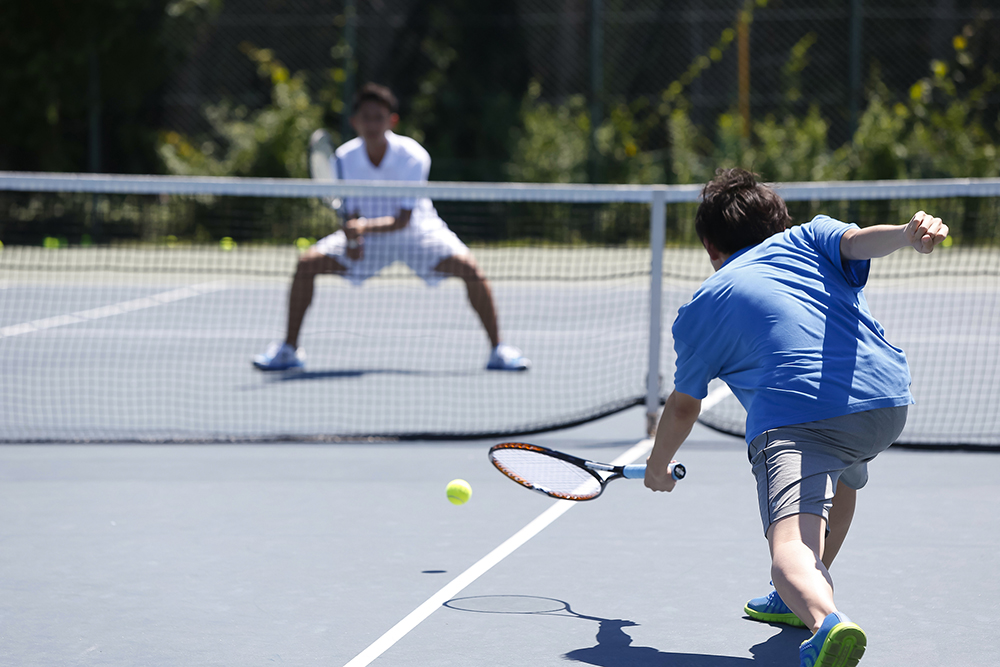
614,646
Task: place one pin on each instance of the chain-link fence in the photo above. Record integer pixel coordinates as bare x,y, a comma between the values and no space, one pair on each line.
570,90
468,71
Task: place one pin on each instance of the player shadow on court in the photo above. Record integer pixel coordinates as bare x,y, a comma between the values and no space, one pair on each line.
614,646
614,649
344,374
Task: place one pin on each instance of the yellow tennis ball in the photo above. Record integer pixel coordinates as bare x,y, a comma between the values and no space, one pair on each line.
459,491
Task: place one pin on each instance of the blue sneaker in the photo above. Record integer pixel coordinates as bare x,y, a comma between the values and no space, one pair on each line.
507,358
772,609
837,643
279,357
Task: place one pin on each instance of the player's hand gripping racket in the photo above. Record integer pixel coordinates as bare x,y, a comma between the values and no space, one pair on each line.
561,475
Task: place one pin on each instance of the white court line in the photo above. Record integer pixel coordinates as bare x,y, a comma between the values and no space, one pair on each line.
542,521
114,309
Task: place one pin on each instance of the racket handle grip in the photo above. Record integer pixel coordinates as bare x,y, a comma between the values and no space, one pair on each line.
638,471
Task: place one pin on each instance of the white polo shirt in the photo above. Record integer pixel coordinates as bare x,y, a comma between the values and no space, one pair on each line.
404,160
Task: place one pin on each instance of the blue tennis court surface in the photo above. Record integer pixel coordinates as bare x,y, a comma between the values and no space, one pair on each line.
308,554
349,554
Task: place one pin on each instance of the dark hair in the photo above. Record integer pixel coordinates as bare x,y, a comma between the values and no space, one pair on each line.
736,211
372,92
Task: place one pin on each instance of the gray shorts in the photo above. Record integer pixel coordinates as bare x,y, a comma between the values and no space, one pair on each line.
797,467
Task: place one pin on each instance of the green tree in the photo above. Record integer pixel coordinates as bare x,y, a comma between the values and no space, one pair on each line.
61,59
460,73
269,142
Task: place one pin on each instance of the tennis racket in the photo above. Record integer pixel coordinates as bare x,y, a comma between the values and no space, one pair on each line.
321,163
561,475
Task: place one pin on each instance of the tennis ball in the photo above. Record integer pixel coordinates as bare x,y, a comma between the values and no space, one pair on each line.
459,491
227,243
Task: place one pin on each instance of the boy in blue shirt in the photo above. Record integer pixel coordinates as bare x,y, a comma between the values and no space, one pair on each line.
784,322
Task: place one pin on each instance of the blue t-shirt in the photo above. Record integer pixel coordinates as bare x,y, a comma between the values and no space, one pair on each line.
785,324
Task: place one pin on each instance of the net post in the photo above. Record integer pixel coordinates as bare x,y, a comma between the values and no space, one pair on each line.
657,236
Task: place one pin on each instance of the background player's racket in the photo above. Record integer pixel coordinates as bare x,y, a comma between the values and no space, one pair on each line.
561,475
322,163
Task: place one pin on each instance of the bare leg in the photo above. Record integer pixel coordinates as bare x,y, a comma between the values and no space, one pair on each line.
841,515
480,296
300,296
797,569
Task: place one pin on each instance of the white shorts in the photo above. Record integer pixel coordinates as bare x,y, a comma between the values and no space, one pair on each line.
420,249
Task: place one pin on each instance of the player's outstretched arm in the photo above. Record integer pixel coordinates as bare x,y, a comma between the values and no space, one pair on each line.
679,415
923,232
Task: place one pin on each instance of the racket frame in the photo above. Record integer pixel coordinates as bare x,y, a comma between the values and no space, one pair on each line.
594,468
322,161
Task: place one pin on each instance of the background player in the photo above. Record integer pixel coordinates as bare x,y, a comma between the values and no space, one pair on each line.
378,231
785,323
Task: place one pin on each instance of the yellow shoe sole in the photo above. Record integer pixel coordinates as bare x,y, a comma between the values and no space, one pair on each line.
843,647
787,619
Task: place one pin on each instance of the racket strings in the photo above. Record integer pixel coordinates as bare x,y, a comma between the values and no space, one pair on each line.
545,473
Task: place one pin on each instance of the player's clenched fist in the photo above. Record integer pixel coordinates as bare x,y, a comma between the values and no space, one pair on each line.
354,229
924,231
659,478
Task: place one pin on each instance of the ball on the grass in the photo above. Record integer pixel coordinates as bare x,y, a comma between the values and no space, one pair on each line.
459,491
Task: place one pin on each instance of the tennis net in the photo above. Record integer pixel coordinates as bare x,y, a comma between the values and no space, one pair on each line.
131,307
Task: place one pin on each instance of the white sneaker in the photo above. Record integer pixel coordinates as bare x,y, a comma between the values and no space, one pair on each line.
280,357
507,358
